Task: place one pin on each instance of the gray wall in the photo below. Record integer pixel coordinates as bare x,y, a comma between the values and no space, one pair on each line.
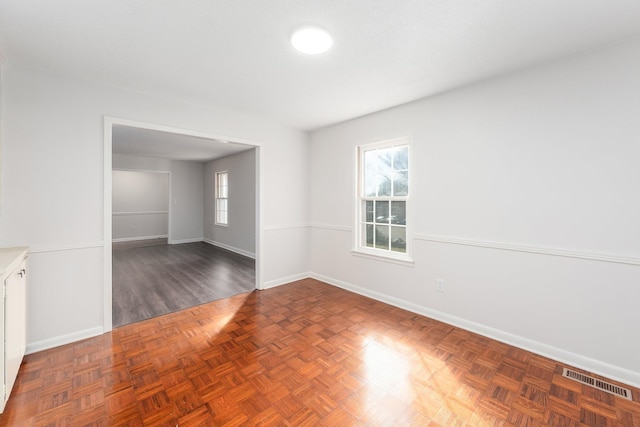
186,192
239,234
140,205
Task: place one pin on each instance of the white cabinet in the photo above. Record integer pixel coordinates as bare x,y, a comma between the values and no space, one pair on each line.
13,317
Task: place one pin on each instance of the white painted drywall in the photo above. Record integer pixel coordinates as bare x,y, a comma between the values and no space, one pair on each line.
546,158
52,189
1,131
239,234
140,205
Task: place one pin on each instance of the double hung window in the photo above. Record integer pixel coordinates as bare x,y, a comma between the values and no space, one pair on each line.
383,196
222,198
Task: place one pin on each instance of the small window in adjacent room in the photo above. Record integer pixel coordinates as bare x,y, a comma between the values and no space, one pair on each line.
383,197
222,198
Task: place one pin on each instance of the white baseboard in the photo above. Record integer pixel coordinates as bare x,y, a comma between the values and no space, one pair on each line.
230,248
180,241
591,365
132,239
63,339
285,280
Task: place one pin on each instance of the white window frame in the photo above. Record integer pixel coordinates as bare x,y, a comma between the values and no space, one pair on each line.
220,198
402,258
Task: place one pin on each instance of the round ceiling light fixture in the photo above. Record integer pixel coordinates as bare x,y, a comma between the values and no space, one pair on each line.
311,40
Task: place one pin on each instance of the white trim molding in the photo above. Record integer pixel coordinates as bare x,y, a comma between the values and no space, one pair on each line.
230,248
132,239
56,248
285,280
191,240
278,227
389,259
331,227
63,339
505,246
591,365
529,249
140,213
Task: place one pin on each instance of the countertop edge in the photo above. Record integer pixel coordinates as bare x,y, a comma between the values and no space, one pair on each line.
11,257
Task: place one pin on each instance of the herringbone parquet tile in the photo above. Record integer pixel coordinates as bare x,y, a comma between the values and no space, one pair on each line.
303,354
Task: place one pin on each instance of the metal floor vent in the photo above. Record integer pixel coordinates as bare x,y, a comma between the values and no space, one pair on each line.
596,383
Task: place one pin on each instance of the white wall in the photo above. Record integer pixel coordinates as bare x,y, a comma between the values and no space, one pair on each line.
52,189
507,175
1,125
140,205
239,234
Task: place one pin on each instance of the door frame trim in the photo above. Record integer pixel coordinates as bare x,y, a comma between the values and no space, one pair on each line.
109,122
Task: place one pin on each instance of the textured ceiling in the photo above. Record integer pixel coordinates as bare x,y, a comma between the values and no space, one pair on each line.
235,53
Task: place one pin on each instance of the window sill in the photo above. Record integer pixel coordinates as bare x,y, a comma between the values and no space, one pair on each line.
404,260
221,225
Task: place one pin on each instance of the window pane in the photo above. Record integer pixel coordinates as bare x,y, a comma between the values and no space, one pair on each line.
398,213
401,158
221,211
385,172
368,210
384,184
223,184
401,183
382,237
368,235
398,239
384,157
370,171
384,189
382,212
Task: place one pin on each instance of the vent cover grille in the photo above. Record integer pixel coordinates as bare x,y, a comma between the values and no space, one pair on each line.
596,383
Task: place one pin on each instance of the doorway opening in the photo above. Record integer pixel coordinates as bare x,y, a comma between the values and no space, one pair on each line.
186,159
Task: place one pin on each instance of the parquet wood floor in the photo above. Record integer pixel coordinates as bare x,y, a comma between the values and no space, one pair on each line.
303,354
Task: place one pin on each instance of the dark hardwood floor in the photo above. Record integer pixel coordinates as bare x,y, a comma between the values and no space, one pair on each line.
153,280
302,354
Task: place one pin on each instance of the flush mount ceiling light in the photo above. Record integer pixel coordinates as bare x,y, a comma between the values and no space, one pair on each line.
311,40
